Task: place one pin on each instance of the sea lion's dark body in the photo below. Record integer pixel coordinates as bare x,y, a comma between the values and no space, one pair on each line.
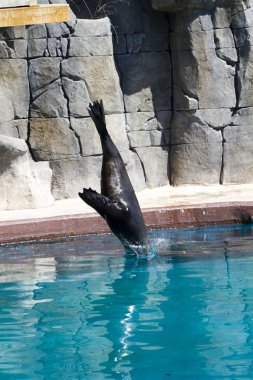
117,203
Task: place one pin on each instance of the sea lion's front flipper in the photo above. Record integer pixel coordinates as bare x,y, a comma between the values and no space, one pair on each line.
102,204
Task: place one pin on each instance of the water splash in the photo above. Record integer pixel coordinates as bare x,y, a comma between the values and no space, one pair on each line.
141,252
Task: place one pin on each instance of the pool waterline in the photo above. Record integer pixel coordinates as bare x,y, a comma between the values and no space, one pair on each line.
54,227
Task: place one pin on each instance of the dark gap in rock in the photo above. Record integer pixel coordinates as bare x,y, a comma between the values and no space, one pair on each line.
221,181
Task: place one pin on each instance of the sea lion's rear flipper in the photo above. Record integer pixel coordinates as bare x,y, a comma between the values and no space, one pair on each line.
102,204
97,113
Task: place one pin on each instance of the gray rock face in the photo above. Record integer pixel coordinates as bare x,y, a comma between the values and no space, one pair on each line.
69,176
156,164
92,28
52,139
134,169
194,81
212,73
196,151
20,176
77,96
238,151
94,70
90,46
51,103
116,125
42,73
194,164
14,82
177,5
89,138
146,82
62,67
15,128
13,49
37,47
178,95
11,148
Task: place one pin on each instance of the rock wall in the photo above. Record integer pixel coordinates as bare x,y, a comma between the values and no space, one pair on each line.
177,88
53,71
141,51
74,66
212,126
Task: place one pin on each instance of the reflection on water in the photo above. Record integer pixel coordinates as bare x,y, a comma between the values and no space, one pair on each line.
75,313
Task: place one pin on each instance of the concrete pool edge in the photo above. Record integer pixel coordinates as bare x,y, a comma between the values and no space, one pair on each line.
184,216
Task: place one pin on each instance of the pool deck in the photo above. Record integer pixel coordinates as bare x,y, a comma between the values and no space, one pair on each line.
164,207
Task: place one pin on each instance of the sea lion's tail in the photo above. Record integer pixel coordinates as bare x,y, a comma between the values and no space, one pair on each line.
97,113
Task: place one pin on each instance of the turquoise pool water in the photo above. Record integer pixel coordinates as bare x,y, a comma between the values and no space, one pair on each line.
79,309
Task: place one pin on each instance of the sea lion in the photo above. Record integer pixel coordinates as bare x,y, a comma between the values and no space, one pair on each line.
117,203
